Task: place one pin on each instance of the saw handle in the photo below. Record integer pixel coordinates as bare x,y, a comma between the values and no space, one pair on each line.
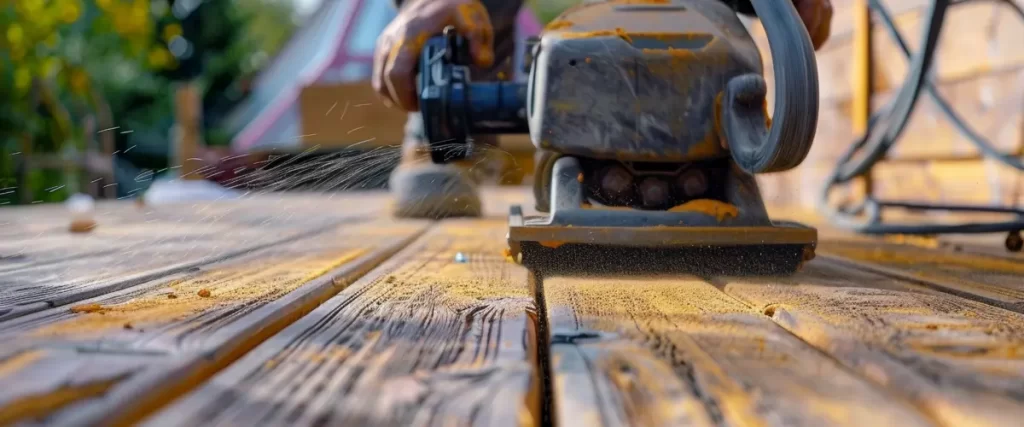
756,146
454,108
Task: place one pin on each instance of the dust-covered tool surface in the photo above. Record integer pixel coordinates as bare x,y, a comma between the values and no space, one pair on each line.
316,310
732,235
651,120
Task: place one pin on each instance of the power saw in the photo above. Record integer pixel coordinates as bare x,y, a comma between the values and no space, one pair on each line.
651,122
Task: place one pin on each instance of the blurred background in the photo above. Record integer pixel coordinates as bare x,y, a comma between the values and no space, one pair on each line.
91,91
87,86
106,97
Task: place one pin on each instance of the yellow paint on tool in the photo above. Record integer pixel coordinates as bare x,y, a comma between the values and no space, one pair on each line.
551,244
708,147
677,53
717,129
720,210
558,25
618,32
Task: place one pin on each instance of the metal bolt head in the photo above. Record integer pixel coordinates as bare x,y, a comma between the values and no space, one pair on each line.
693,183
654,192
1014,242
617,182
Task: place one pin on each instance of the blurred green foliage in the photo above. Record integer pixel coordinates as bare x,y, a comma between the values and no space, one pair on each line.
548,10
67,63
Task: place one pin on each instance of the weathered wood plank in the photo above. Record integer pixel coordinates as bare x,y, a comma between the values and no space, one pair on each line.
133,245
996,281
299,209
986,244
423,340
18,254
114,358
993,245
678,351
32,289
976,267
959,361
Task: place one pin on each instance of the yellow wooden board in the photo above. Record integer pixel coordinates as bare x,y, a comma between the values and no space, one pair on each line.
958,361
312,309
996,281
439,335
159,338
678,351
49,266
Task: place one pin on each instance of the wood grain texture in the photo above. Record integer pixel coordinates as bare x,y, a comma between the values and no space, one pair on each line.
48,266
423,340
320,321
959,361
678,351
148,343
992,280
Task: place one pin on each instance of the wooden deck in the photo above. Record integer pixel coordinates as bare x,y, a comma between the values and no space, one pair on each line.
322,310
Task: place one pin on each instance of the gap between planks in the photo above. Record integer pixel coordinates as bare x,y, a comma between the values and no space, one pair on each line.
736,365
424,339
670,351
539,353
545,413
678,351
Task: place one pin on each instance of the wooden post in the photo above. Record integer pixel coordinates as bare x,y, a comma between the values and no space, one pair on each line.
23,168
1015,198
188,135
91,186
105,143
862,75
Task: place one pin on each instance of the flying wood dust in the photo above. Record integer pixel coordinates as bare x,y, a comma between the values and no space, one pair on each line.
356,168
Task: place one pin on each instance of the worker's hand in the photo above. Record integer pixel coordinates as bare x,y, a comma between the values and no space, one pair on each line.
817,16
400,44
